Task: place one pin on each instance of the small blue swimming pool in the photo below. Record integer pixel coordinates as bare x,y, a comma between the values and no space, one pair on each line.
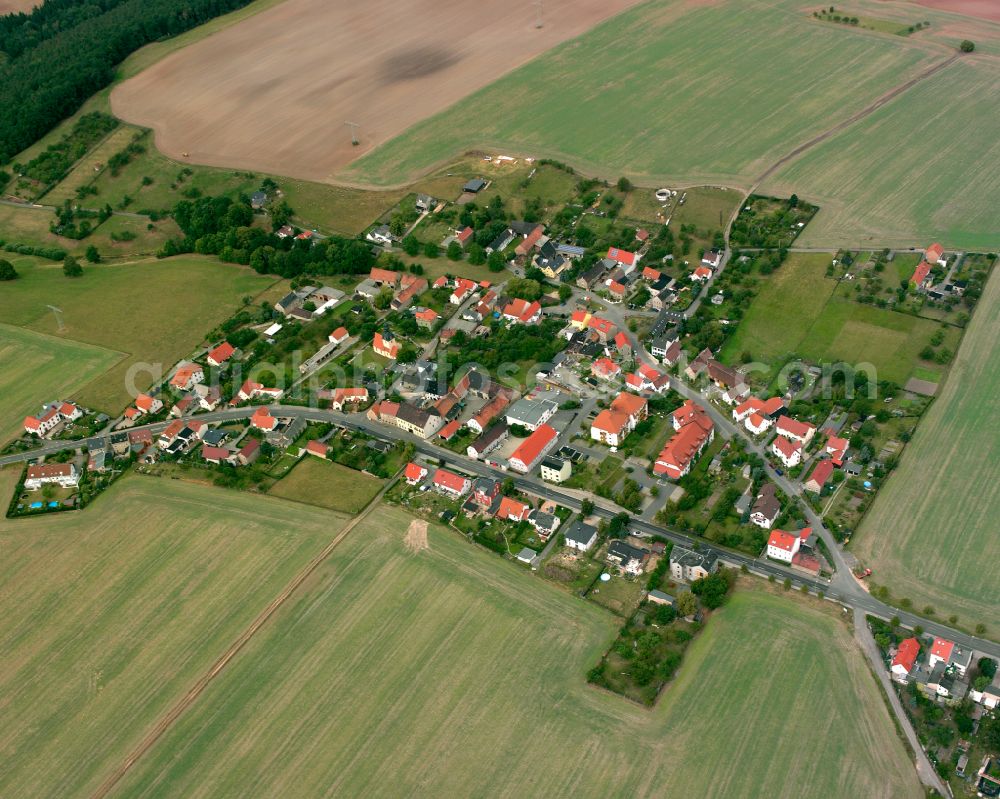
53,504
35,505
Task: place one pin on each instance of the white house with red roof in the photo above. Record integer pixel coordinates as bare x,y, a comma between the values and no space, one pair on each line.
921,277
785,546
701,274
935,255
251,390
617,291
625,259
905,659
693,432
612,425
40,425
522,312
533,449
414,473
512,510
263,420
338,336
795,430
451,484
605,368
836,448
463,290
646,378
941,652
148,404
220,354
187,376
787,451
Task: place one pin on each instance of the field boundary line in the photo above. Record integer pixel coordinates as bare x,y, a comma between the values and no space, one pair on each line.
868,110
177,710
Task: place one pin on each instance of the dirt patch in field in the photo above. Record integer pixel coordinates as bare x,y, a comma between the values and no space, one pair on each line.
416,536
984,9
274,92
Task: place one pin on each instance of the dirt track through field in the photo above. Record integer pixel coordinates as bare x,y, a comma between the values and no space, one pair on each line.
864,112
168,719
274,92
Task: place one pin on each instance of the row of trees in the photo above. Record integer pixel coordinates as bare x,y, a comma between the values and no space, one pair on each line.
58,60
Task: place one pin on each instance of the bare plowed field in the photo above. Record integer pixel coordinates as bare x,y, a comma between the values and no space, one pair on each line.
273,93
987,9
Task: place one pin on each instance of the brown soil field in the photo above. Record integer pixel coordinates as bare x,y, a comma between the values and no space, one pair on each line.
985,9
273,92
15,6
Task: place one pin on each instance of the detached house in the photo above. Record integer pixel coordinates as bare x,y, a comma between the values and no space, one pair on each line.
148,404
262,420
221,354
522,312
613,424
766,508
187,376
251,390
629,559
837,448
451,484
414,473
795,430
712,258
787,451
623,258
820,476
784,546
905,659
686,565
580,536
605,368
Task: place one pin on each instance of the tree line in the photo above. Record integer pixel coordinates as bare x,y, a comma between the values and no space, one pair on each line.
223,227
62,56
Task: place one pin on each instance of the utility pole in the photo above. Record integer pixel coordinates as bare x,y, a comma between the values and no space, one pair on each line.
354,133
538,13
59,318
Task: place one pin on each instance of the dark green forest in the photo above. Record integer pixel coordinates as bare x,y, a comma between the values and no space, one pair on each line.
64,51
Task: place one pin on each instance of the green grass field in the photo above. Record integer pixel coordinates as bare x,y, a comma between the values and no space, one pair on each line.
944,550
155,311
659,91
27,225
109,615
40,369
452,673
327,485
88,167
919,169
797,312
